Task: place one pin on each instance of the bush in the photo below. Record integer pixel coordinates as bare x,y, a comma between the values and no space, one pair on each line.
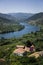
32,60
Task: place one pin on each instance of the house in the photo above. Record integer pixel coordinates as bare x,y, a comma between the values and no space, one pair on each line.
35,54
41,53
19,51
2,60
32,48
27,49
22,50
19,46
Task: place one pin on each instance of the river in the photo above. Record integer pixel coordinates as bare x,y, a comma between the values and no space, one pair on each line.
28,29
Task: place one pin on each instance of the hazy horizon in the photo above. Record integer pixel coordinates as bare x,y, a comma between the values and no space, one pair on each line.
21,6
20,13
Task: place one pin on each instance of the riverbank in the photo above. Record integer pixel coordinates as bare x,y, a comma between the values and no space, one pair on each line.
7,28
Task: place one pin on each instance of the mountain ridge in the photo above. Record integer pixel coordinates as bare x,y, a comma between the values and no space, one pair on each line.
36,18
21,16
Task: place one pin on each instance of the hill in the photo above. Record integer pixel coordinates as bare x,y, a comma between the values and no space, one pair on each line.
16,16
21,16
8,17
6,20
36,19
9,25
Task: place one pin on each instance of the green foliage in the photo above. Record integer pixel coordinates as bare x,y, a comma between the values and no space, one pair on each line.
7,25
36,19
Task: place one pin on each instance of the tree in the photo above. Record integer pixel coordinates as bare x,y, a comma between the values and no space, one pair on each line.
28,43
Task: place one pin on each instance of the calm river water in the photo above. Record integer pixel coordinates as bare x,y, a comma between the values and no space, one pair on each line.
28,29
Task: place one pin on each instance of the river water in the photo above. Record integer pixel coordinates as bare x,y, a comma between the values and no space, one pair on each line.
28,29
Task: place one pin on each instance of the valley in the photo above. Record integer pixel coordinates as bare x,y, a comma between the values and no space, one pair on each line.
7,47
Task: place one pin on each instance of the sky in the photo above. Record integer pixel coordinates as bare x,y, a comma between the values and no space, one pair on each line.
24,6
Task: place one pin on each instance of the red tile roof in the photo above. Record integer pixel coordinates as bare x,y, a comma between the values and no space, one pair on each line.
19,50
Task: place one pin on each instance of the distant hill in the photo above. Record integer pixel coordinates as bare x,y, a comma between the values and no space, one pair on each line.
7,18
4,18
8,25
16,16
37,18
21,16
